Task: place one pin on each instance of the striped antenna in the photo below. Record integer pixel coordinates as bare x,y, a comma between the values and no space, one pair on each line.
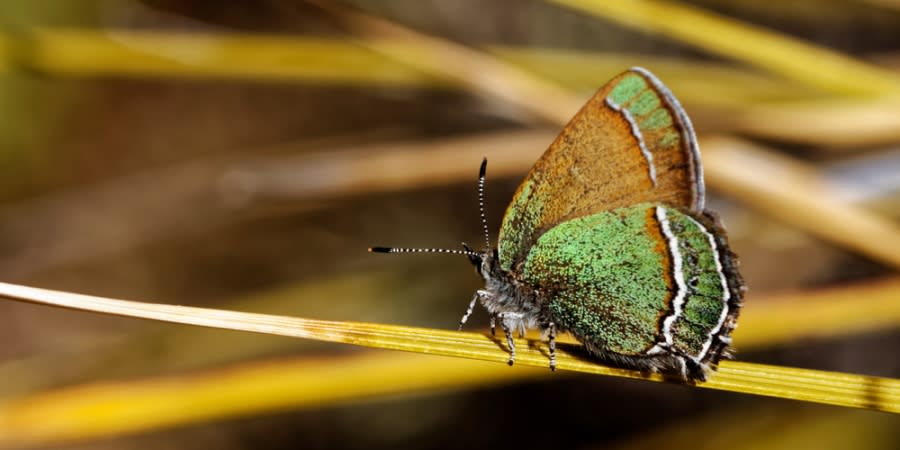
474,256
421,250
481,172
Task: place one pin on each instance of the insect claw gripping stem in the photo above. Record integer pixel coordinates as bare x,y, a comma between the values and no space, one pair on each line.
552,342
509,340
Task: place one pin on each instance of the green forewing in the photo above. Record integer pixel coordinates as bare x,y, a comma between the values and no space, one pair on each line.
600,162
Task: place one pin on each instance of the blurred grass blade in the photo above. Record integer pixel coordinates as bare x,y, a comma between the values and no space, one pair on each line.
829,123
268,57
103,410
888,4
707,83
820,313
754,102
799,384
799,197
262,57
766,320
108,409
482,73
732,39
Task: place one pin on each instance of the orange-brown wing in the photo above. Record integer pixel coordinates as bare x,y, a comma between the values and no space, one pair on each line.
631,143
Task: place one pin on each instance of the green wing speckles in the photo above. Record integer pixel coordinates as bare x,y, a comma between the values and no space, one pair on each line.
651,118
628,87
607,277
702,297
633,280
522,209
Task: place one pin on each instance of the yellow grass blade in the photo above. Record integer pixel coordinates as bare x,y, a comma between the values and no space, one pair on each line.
732,39
115,408
476,70
696,82
266,57
887,4
830,123
754,103
81,52
823,313
6,54
800,384
766,320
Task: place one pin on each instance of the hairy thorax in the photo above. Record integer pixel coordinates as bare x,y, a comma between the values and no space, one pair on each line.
504,295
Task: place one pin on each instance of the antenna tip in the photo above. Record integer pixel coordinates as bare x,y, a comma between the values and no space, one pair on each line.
483,168
379,249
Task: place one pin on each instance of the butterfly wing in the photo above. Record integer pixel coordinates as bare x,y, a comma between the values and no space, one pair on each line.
631,143
643,281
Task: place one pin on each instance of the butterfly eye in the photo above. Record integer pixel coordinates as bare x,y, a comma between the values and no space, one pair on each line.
476,261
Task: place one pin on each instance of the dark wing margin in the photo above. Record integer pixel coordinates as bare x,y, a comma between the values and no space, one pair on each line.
687,130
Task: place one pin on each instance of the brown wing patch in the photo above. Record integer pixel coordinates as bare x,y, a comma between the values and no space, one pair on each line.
597,163
654,230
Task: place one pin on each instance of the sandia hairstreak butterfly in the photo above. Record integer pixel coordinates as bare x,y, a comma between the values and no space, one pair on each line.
607,238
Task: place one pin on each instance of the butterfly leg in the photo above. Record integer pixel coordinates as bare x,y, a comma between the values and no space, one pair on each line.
552,341
507,329
469,310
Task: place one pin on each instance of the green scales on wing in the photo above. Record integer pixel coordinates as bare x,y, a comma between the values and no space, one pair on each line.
609,277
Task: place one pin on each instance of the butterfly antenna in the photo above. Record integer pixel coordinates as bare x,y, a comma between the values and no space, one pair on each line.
421,250
468,252
481,173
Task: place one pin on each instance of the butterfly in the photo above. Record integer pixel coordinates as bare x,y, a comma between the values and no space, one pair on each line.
608,239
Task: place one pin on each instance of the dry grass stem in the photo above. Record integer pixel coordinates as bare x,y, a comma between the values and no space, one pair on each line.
730,38
798,384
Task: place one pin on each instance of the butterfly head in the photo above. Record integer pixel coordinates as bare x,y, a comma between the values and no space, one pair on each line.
485,262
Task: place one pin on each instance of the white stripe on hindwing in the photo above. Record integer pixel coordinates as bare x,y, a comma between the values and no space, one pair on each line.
726,295
636,132
682,291
677,274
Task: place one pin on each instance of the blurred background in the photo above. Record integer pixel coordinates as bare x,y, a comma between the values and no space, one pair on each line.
243,156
